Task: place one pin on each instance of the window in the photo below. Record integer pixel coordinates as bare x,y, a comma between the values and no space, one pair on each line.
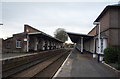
8,44
18,44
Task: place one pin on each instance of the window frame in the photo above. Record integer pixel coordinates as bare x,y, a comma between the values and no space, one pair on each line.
18,43
8,45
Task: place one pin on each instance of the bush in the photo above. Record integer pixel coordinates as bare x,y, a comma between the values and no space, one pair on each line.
119,59
111,55
118,67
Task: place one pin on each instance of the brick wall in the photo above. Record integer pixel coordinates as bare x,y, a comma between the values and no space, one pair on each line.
10,44
114,27
93,31
114,19
110,25
7,45
20,37
104,22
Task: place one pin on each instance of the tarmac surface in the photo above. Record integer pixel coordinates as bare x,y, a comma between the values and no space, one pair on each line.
83,65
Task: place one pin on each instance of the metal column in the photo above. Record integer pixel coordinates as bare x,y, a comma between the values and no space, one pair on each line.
81,44
27,43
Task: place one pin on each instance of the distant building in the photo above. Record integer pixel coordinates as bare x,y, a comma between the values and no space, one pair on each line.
110,32
69,45
31,40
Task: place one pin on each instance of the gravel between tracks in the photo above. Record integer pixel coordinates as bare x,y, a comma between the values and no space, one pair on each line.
33,71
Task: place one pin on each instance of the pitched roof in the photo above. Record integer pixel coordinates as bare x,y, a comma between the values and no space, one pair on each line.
26,27
75,37
106,9
45,35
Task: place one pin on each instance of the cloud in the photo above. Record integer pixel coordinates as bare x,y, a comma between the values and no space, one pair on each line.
0,12
48,16
59,0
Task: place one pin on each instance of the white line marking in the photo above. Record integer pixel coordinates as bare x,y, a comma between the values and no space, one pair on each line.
111,67
61,66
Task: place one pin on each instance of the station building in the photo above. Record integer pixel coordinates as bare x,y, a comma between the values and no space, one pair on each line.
109,20
31,40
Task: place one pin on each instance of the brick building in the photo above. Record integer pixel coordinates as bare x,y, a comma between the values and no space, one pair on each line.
31,40
109,26
109,31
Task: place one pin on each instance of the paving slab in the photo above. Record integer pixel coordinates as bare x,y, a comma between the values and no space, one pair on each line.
83,65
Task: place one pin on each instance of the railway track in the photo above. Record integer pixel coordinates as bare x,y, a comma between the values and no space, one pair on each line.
43,67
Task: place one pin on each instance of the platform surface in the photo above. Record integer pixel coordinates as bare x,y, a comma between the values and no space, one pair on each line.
12,55
83,65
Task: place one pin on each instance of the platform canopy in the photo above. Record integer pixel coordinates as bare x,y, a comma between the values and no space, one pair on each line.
76,37
44,35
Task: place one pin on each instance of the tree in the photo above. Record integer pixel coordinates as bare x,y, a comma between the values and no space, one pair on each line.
61,34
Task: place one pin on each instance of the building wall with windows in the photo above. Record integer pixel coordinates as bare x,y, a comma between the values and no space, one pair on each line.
15,43
110,24
109,30
31,40
109,20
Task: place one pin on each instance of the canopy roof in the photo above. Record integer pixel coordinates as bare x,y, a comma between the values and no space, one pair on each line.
75,37
44,35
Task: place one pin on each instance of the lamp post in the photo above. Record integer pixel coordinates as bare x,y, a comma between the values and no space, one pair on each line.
99,42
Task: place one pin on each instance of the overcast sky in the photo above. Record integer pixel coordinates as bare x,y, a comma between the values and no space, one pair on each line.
75,17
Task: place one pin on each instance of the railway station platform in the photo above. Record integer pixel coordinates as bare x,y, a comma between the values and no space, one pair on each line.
8,55
83,65
4,56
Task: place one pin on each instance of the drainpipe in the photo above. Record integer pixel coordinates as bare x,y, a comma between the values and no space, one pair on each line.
99,44
99,41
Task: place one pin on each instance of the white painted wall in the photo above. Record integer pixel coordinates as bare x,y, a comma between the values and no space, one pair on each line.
104,45
86,45
43,45
89,45
36,44
48,44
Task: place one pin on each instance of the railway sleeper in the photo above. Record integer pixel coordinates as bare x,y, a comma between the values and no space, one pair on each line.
31,72
19,69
